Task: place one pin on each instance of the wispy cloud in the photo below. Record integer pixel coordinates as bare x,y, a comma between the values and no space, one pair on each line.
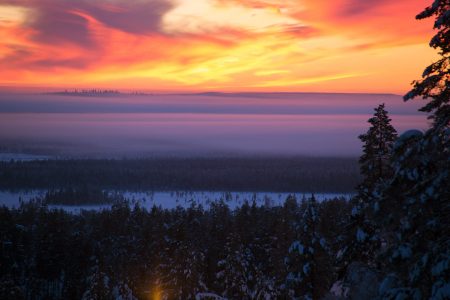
204,44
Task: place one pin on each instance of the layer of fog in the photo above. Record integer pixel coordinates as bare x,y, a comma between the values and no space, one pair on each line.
128,125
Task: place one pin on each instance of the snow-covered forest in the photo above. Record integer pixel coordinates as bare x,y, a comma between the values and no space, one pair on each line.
389,241
133,252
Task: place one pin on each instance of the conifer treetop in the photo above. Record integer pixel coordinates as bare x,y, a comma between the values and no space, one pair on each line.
378,142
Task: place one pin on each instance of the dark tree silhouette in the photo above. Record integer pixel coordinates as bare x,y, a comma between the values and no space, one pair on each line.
435,82
378,143
360,239
417,256
307,257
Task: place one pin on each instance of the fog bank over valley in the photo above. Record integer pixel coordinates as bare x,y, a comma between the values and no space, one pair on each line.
128,125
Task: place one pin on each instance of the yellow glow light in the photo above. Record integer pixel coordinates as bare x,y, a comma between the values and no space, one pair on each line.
206,15
12,15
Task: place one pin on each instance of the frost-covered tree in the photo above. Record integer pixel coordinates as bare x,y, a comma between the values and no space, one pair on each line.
360,239
102,286
307,255
377,148
98,285
182,261
186,273
235,271
418,252
240,274
122,291
417,256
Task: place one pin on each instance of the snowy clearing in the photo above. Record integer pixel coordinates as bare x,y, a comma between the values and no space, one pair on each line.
172,199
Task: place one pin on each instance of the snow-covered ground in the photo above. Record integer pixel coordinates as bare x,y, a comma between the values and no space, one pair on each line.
12,199
172,199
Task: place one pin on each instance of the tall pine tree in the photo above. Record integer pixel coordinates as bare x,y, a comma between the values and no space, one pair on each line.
378,142
307,257
419,253
435,83
360,238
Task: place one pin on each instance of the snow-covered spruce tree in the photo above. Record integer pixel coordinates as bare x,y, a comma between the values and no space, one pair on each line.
360,241
377,149
232,271
419,254
186,273
181,262
307,255
240,267
180,272
101,286
98,285
417,258
237,271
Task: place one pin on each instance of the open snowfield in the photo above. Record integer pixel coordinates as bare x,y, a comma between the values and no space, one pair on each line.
171,199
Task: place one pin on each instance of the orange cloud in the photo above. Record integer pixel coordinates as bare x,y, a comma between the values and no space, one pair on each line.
314,45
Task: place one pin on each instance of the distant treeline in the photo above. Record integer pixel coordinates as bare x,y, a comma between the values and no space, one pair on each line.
87,92
98,92
305,174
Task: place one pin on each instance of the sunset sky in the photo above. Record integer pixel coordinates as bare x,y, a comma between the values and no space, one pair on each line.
227,45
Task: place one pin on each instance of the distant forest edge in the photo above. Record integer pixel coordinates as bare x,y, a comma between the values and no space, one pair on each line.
300,174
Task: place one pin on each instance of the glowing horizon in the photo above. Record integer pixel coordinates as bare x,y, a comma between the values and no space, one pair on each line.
233,45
